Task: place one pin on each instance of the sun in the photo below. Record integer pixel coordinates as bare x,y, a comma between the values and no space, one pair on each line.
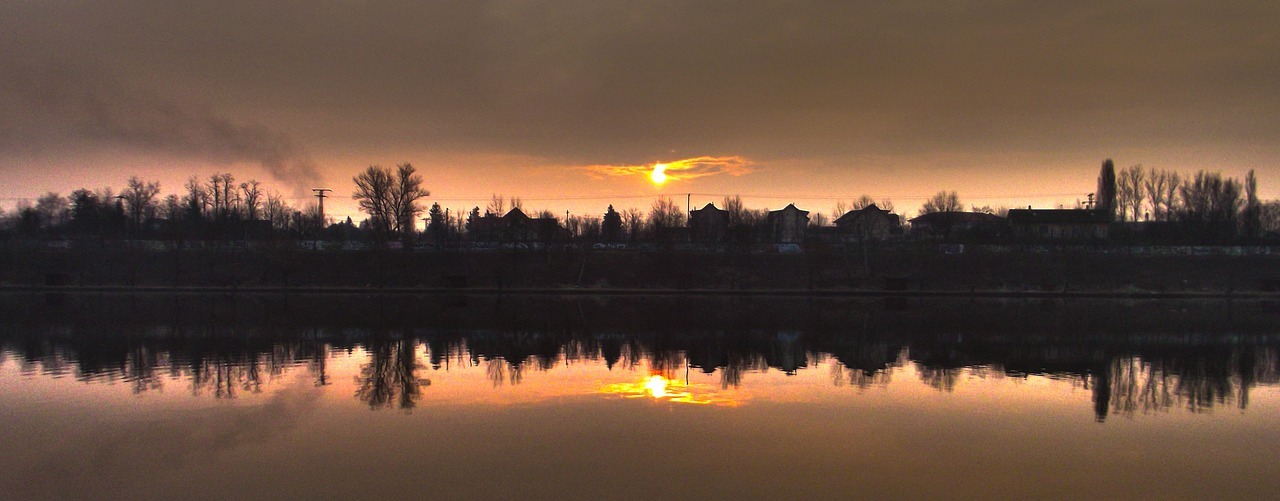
659,174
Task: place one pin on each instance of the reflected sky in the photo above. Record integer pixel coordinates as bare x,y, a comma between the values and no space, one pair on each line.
316,411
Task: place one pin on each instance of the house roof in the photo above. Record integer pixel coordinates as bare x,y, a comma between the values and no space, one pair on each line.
711,207
869,210
515,213
1056,216
953,217
789,208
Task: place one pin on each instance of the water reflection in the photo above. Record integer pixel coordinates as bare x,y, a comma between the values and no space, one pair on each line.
1134,357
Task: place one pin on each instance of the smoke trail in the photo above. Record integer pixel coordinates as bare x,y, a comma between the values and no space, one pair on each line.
57,106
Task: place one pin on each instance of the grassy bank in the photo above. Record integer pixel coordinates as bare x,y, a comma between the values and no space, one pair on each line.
900,270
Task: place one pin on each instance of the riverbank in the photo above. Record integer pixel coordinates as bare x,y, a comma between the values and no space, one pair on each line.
915,272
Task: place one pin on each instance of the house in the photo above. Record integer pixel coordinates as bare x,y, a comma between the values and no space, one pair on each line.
515,226
870,222
708,224
787,225
1058,224
954,224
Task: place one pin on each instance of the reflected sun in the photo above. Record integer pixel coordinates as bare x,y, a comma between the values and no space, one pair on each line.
659,387
659,174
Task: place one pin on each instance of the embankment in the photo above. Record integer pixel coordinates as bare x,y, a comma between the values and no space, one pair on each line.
918,270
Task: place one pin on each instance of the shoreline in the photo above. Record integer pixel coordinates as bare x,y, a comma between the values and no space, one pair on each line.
583,291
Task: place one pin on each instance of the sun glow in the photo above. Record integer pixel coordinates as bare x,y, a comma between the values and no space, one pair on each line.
659,174
659,387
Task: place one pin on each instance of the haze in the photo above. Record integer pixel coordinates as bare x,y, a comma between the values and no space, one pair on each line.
1006,102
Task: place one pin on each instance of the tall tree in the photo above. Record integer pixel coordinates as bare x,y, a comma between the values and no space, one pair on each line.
1106,192
1250,218
611,227
1129,192
1209,197
391,198
252,195
1155,188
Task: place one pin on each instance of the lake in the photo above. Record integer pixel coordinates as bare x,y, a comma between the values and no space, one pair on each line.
339,396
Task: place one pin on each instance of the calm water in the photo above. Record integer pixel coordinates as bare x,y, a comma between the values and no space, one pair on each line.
191,396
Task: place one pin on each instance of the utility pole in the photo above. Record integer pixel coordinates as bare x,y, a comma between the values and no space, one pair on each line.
688,208
320,194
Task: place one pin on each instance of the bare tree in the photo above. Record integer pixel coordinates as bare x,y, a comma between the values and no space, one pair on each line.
390,198
252,199
942,201
140,199
497,205
1155,188
1251,217
665,214
1210,197
633,221
1129,192
276,211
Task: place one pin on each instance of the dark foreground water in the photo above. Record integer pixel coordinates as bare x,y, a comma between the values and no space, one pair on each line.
196,396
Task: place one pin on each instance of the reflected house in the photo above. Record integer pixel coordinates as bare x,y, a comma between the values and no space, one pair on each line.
957,224
1058,224
708,224
516,226
787,225
870,222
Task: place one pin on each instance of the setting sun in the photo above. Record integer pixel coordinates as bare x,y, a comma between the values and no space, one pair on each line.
659,174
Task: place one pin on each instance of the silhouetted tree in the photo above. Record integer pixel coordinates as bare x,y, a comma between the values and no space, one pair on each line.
1251,217
664,216
251,192
140,199
942,201
1159,187
1129,192
1106,192
497,205
390,198
633,219
611,227
436,224
1209,197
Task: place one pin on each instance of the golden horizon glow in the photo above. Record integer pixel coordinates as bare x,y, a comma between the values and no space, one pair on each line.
659,174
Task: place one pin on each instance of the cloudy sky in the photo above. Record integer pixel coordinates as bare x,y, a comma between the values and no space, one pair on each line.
567,103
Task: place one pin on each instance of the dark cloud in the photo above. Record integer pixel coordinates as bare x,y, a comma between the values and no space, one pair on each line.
614,82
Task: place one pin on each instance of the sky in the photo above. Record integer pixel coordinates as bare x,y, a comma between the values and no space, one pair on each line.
568,104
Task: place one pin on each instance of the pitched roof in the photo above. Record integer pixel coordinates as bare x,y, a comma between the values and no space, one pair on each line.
789,207
952,217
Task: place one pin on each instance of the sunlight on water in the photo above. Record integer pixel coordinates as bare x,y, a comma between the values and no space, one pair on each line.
483,409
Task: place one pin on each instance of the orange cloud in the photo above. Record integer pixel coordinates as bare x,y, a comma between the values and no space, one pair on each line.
677,170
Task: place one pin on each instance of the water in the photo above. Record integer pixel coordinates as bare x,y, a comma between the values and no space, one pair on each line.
197,396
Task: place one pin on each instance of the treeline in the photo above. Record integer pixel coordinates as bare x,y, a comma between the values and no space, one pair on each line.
220,208
217,208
